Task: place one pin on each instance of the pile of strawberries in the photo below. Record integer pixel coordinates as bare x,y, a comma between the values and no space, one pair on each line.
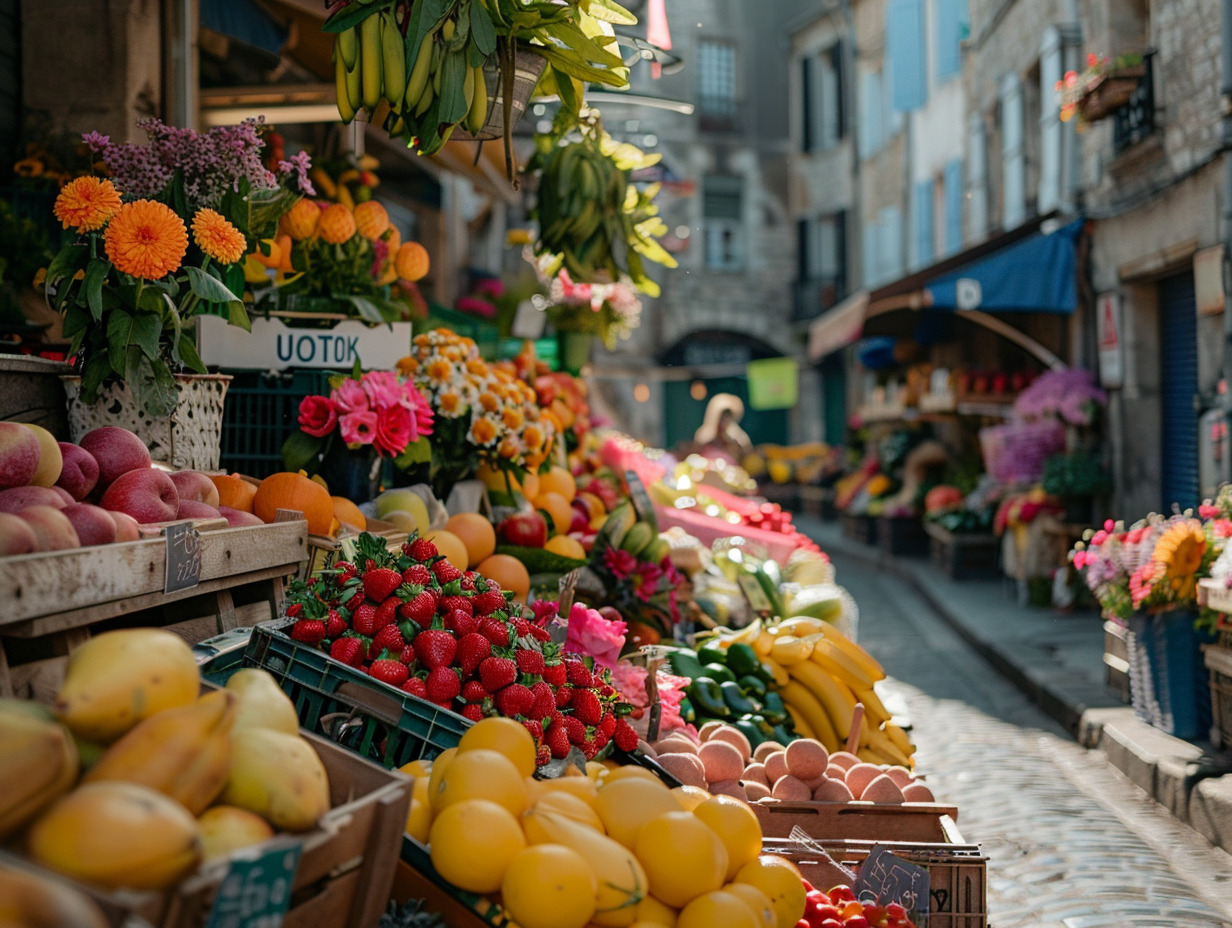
416,622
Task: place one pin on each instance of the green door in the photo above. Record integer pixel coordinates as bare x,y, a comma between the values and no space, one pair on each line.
682,415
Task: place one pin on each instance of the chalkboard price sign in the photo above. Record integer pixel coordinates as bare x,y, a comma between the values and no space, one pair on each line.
256,891
891,879
183,557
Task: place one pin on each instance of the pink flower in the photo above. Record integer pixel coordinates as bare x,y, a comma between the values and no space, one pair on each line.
476,307
317,416
393,430
358,428
622,564
349,397
590,633
1109,525
1079,559
1098,539
544,610
383,389
1207,511
1222,528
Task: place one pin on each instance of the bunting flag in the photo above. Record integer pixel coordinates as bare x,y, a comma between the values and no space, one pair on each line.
657,32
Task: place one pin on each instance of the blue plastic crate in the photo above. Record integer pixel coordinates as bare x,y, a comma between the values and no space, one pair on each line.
1168,681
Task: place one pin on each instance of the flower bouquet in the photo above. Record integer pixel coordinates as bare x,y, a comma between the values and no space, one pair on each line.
1105,84
642,591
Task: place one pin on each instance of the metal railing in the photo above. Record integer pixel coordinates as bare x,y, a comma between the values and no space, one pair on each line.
1134,121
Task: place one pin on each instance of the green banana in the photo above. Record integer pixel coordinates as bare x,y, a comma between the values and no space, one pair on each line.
348,46
478,113
342,88
637,538
393,53
438,66
468,90
617,524
425,100
420,72
370,60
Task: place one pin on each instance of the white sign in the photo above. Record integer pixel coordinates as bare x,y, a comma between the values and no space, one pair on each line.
968,294
273,345
1108,336
529,321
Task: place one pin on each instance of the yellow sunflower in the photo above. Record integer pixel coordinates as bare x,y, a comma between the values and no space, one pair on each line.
146,239
217,237
1179,553
87,203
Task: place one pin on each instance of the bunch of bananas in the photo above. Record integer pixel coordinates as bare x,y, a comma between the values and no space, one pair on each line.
591,216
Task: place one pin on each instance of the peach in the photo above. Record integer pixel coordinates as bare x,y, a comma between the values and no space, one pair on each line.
16,536
148,495
94,524
15,499
52,529
19,454
195,509
127,528
117,451
237,517
194,485
79,470
50,459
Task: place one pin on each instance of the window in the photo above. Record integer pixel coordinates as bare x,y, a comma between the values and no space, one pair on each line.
953,198
723,216
952,28
925,228
821,263
905,49
977,178
716,80
872,110
889,243
1013,154
869,259
822,99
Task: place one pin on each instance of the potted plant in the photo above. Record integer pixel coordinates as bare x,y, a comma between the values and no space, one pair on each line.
158,243
1105,86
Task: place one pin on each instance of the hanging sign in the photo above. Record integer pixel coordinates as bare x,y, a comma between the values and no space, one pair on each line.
273,345
774,383
1108,338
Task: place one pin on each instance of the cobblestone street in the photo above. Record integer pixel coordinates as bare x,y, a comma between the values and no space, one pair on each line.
1071,842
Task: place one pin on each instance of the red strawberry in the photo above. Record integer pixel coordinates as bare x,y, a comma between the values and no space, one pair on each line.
346,571
624,735
474,691
435,647
608,724
513,700
419,608
543,755
355,601
468,581
421,549
461,623
520,625
534,727
417,573
388,670
380,584
601,739
555,674
415,686
309,631
473,711
529,661
497,672
590,749
387,612
472,650
364,620
445,572
408,654
349,651
294,610
575,729
545,701
389,639
586,706
563,695
578,675
540,634
443,685
489,602
335,624
557,741
495,631
449,603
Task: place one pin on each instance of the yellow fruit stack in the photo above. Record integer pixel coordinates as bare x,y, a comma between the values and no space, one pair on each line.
614,848
175,777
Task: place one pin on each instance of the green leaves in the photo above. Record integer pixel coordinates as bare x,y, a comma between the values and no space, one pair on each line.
299,450
417,452
96,273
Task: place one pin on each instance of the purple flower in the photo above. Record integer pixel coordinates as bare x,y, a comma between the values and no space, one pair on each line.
297,167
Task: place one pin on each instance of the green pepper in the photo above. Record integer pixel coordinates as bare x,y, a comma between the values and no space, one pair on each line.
735,698
685,664
782,735
742,659
719,672
687,712
763,673
753,686
750,731
707,698
710,653
772,707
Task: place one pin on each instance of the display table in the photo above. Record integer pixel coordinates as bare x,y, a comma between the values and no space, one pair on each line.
964,555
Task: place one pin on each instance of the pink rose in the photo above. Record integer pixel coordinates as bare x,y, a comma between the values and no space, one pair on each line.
358,428
590,633
349,397
317,416
383,389
393,431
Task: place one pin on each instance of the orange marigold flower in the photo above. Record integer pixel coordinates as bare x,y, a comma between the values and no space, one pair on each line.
512,417
146,239
407,366
534,437
450,403
371,219
87,203
489,402
217,237
508,448
439,370
483,431
336,224
300,222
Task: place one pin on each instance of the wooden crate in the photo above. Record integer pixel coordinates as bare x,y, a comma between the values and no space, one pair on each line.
914,821
31,391
1116,660
859,528
324,550
901,536
1218,660
964,555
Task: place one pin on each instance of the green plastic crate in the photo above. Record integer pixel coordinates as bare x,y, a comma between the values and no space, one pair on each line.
261,411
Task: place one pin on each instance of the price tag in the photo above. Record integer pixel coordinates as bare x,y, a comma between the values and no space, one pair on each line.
528,321
759,602
256,891
892,879
641,499
183,557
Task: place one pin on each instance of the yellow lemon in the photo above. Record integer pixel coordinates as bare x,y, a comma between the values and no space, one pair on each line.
625,806
690,797
737,827
718,908
473,842
504,736
549,886
682,857
780,881
480,774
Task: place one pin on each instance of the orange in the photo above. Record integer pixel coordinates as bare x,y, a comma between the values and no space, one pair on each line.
504,736
558,480
336,224
296,492
597,508
557,508
550,886
480,774
371,219
737,827
449,545
582,788
234,491
565,547
780,881
473,842
476,533
347,513
719,908
507,571
682,857
530,485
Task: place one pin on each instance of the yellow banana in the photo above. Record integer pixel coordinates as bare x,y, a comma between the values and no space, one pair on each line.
342,90
393,54
38,763
323,182
873,706
869,756
836,699
425,99
468,93
345,198
420,71
777,670
798,626
816,717
763,643
880,742
346,45
747,635
789,650
447,30
802,728
370,64
838,664
899,738
184,753
835,636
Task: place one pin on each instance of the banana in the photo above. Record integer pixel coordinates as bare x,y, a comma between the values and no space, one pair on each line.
117,835
836,699
872,669
347,46
342,90
371,54
393,54
777,670
840,665
448,29
420,71
796,695
477,115
425,100
801,727
33,900
880,742
38,763
184,753
873,706
899,738
118,678
468,89
279,777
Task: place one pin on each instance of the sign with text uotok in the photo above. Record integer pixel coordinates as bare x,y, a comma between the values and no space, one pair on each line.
273,345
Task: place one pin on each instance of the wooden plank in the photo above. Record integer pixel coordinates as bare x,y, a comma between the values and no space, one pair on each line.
33,585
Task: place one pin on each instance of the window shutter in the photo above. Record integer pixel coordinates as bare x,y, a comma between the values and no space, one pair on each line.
802,250
840,103
977,178
951,29
1014,168
827,98
1050,122
905,34
869,260
806,102
924,227
871,128
890,244
953,206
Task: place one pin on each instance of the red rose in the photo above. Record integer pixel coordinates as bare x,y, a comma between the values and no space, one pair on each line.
317,416
393,430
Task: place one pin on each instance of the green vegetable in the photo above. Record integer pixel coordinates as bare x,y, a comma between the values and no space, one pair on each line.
685,664
712,654
753,686
687,712
750,730
780,734
719,672
772,707
735,698
742,659
707,698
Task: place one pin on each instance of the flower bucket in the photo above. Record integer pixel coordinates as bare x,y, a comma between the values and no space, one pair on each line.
188,439
1168,683
353,474
527,67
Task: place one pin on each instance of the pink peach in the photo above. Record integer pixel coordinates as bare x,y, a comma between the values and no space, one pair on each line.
52,529
19,454
148,495
16,535
78,472
117,451
94,525
237,517
127,528
15,499
195,509
192,484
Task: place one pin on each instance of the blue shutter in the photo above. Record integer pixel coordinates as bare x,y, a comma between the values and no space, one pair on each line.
953,206
924,235
951,28
1178,354
905,47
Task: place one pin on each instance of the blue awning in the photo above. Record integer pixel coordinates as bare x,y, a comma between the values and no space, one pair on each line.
246,21
1034,275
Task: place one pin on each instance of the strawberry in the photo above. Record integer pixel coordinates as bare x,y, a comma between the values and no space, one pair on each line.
495,631
445,572
419,608
489,602
624,735
556,718
415,686
435,647
563,695
545,701
590,749
380,584
601,740
497,672
468,582
349,651
472,650
578,675
555,674
346,571
389,639
461,623
540,634
575,729
355,601
607,724
534,727
543,755
557,741
408,654
418,574
388,670
520,625
449,603
364,620
473,711
442,685
515,699
387,612
335,624
474,691
421,549
586,706
309,631
529,661
294,610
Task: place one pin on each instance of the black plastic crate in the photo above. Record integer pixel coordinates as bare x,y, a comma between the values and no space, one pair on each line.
261,411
